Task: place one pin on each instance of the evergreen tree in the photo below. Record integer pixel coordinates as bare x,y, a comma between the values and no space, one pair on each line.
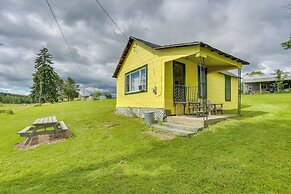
107,95
60,84
70,89
45,79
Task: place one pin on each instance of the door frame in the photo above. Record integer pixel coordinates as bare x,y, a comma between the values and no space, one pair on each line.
184,71
174,77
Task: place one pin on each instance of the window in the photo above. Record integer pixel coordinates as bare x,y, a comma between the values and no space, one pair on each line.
227,88
136,80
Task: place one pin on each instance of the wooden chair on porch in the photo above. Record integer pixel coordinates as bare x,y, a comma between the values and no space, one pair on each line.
198,108
214,108
194,103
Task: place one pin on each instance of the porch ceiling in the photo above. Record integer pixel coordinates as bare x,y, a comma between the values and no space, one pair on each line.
213,63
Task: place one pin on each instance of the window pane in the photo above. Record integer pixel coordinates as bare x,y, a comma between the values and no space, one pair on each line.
227,88
143,77
134,81
127,83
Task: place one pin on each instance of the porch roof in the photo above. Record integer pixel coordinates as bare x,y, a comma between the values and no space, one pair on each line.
228,73
170,46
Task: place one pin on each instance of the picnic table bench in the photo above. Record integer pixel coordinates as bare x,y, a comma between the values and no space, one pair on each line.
39,127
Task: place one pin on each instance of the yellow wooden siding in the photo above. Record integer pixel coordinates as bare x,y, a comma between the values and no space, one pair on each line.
169,86
177,53
216,90
138,56
160,74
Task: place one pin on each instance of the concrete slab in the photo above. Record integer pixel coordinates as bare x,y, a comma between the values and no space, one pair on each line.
189,120
175,131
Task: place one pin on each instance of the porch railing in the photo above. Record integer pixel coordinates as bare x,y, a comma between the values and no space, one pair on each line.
184,93
188,97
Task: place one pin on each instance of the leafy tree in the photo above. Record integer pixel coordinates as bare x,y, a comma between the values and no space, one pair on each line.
71,89
107,95
286,45
279,83
45,79
255,73
96,95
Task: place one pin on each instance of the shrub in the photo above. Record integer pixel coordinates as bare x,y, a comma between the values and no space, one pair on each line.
9,111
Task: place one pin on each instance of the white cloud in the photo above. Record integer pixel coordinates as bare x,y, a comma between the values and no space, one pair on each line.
13,91
91,90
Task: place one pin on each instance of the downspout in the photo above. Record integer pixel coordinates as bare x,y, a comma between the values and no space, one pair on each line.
239,92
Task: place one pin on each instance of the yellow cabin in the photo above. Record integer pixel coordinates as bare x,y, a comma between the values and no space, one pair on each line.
173,79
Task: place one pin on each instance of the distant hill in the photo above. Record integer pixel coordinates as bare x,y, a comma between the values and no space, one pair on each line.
8,98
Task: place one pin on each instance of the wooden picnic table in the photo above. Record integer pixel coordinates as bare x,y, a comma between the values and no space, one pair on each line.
43,124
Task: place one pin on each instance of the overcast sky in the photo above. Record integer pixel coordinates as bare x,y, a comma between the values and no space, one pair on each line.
251,30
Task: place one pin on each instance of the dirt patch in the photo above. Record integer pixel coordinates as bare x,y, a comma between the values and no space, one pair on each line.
160,135
44,139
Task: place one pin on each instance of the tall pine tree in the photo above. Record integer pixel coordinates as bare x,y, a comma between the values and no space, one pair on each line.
45,79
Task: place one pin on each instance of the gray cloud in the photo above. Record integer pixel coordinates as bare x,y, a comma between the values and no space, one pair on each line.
252,30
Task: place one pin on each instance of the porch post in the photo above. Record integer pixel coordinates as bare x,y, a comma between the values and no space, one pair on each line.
239,92
203,87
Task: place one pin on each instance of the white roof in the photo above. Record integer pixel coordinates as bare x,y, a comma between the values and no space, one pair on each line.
262,78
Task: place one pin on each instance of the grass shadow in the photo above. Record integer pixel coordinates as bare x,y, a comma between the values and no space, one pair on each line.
243,106
245,113
250,114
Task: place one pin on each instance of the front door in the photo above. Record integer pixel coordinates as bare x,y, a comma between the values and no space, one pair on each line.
179,81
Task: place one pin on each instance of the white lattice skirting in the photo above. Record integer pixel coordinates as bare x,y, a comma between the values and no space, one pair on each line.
160,113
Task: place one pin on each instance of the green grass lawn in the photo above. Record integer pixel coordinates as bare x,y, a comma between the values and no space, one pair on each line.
14,107
110,153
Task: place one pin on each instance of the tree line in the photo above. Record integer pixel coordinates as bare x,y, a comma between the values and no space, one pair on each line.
14,99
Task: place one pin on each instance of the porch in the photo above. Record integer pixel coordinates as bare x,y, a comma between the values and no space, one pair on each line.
200,86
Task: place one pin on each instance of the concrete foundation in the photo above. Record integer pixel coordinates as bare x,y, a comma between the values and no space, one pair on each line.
160,113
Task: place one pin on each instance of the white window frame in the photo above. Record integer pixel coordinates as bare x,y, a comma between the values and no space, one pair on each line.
142,85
